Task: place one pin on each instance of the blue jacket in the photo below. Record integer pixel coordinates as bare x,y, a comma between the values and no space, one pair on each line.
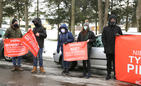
64,38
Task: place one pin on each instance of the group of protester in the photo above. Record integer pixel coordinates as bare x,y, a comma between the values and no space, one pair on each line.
65,36
108,38
40,34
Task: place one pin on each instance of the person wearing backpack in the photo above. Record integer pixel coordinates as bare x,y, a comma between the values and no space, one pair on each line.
65,37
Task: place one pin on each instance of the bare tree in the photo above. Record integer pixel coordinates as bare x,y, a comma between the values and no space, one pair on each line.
138,15
1,12
100,12
73,17
106,12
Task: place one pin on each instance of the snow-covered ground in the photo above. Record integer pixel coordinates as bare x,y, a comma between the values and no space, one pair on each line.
49,49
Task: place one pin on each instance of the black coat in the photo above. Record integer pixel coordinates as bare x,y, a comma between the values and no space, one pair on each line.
42,33
108,38
91,37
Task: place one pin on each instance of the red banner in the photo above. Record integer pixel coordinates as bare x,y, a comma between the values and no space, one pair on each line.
14,47
30,42
75,51
128,58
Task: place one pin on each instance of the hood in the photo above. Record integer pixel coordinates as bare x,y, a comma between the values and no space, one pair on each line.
63,26
38,20
112,17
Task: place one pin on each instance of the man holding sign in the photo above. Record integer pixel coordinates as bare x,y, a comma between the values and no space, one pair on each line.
108,39
14,32
86,35
40,34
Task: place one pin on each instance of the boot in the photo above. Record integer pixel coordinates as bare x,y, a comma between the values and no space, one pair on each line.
19,68
88,75
63,72
34,69
115,78
67,72
108,77
14,68
42,70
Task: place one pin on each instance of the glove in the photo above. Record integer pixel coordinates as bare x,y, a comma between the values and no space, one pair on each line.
66,43
57,51
117,34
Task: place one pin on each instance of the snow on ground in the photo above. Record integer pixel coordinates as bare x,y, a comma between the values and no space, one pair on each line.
49,48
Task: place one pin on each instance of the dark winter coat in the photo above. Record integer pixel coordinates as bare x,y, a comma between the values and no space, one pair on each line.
13,33
108,37
89,35
42,32
64,38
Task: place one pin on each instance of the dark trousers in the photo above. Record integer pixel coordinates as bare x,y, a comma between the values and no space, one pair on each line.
87,64
65,63
110,63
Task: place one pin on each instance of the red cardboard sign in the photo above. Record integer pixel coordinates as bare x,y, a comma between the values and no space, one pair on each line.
30,42
128,58
75,51
14,47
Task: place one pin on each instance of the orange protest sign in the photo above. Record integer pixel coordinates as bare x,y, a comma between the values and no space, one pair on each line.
128,58
30,42
14,47
75,51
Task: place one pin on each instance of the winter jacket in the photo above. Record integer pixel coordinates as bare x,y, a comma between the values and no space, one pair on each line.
89,36
64,38
108,37
42,33
13,33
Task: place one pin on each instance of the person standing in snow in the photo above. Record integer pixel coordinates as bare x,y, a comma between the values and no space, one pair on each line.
87,35
65,37
15,32
108,38
40,34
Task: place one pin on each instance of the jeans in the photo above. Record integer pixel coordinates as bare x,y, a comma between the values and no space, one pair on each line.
16,62
39,57
65,63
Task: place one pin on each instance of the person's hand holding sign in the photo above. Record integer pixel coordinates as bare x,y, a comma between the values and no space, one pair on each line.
29,29
37,34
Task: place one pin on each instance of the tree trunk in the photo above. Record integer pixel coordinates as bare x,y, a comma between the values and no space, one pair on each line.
26,15
1,11
58,6
127,17
106,12
100,13
37,8
73,17
111,6
138,15
58,32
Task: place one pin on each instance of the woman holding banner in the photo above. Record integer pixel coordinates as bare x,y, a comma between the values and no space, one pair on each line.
65,37
14,32
87,35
